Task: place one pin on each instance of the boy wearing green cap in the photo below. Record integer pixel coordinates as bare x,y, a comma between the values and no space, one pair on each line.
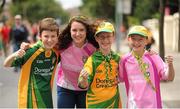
100,72
142,72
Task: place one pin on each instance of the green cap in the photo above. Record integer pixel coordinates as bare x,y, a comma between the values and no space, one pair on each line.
138,30
105,27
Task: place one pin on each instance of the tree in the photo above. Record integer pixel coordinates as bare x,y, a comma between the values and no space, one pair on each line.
99,8
146,9
161,28
142,10
34,10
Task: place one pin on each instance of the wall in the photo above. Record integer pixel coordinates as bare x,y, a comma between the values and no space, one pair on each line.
171,31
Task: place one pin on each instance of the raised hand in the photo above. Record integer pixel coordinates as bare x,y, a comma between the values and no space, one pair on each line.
25,45
169,59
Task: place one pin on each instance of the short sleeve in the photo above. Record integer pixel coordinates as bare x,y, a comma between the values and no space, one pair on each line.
161,67
17,62
21,61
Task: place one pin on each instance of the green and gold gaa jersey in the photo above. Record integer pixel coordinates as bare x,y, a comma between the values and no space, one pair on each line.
103,89
36,78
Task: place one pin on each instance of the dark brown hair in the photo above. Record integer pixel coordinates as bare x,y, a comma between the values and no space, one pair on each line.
48,24
65,36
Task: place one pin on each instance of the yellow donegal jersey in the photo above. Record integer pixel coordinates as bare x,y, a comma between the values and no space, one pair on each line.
103,89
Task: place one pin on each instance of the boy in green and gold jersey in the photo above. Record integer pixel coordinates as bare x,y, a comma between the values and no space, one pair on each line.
100,71
38,65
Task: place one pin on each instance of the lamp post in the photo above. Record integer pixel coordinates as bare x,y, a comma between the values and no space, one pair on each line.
122,7
118,20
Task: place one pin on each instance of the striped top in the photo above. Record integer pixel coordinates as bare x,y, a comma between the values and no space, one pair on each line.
36,78
103,89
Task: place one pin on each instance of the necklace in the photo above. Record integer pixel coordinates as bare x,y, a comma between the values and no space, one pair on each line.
143,67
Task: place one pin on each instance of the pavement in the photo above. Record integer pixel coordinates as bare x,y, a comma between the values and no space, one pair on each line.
9,82
170,90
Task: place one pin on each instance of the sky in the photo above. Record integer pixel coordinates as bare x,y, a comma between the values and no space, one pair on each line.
70,3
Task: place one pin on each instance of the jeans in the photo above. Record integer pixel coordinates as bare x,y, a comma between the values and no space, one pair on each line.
70,98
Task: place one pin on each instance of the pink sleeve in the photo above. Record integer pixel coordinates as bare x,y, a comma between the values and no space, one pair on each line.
161,67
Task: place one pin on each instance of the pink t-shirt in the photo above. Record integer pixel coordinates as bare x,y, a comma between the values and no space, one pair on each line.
140,93
72,61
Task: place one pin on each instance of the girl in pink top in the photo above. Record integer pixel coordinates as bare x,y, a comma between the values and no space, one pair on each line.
77,43
142,72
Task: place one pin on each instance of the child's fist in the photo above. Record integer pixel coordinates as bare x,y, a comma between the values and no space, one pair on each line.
169,59
25,45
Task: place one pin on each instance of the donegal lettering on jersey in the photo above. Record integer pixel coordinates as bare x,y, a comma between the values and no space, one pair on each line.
36,79
103,92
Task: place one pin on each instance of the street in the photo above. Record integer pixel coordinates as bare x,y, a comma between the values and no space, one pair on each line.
8,86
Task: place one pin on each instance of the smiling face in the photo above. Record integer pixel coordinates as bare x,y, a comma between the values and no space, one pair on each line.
105,40
49,39
137,42
78,33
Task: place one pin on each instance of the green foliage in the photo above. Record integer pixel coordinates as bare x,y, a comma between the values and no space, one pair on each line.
146,9
1,10
99,8
34,10
156,15
141,10
132,21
